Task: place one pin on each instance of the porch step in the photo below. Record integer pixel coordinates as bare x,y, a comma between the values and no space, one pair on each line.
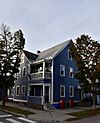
49,106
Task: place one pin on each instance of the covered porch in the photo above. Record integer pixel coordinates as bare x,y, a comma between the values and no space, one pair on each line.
39,94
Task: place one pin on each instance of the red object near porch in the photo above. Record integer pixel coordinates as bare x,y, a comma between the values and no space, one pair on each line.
62,103
71,102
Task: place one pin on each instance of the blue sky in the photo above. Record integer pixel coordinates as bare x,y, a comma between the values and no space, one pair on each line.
46,23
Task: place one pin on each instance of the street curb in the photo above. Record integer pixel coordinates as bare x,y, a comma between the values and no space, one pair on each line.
13,113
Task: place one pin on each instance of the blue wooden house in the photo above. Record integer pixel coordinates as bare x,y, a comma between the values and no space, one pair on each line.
47,76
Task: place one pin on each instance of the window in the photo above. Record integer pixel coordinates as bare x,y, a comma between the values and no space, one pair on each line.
71,91
69,55
22,58
23,89
71,75
17,90
62,91
24,71
62,70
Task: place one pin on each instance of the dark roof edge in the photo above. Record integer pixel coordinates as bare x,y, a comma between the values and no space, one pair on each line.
28,54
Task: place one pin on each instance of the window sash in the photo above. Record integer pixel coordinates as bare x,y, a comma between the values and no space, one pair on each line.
24,71
69,55
23,89
71,91
62,91
71,75
62,70
17,90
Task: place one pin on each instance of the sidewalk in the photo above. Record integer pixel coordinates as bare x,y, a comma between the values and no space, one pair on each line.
49,115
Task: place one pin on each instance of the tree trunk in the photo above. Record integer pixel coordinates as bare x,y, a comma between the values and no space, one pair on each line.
3,96
3,102
94,103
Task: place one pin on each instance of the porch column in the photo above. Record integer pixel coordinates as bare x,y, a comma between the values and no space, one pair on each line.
52,81
43,69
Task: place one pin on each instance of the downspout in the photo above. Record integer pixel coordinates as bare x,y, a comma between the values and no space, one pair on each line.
52,72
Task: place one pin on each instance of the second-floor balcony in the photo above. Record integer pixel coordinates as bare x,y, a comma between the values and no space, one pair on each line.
40,75
41,70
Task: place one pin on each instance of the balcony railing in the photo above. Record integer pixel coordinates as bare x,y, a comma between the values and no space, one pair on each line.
40,75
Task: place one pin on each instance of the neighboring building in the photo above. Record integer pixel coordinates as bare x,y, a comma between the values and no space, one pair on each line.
47,76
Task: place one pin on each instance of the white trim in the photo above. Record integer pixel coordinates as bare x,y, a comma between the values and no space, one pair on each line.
43,69
52,75
61,90
71,87
18,100
46,84
36,62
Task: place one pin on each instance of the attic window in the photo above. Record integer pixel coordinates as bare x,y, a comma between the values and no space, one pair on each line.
69,55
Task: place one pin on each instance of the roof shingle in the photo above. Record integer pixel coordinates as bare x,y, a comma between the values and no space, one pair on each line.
52,52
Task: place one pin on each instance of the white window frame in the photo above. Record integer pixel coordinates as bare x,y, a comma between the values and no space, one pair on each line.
71,71
69,54
61,70
23,92
71,88
17,94
62,86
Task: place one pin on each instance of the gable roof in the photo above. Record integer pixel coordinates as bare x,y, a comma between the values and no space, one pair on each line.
52,52
29,55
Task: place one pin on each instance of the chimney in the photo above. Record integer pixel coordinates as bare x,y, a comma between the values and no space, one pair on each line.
38,51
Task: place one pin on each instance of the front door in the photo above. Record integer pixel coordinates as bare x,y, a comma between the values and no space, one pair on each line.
46,95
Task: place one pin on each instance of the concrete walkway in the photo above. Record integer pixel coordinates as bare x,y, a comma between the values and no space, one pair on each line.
49,115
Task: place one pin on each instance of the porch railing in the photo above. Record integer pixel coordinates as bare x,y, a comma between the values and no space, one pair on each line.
36,100
40,75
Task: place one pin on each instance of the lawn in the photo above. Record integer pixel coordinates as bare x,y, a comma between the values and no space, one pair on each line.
83,114
15,110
